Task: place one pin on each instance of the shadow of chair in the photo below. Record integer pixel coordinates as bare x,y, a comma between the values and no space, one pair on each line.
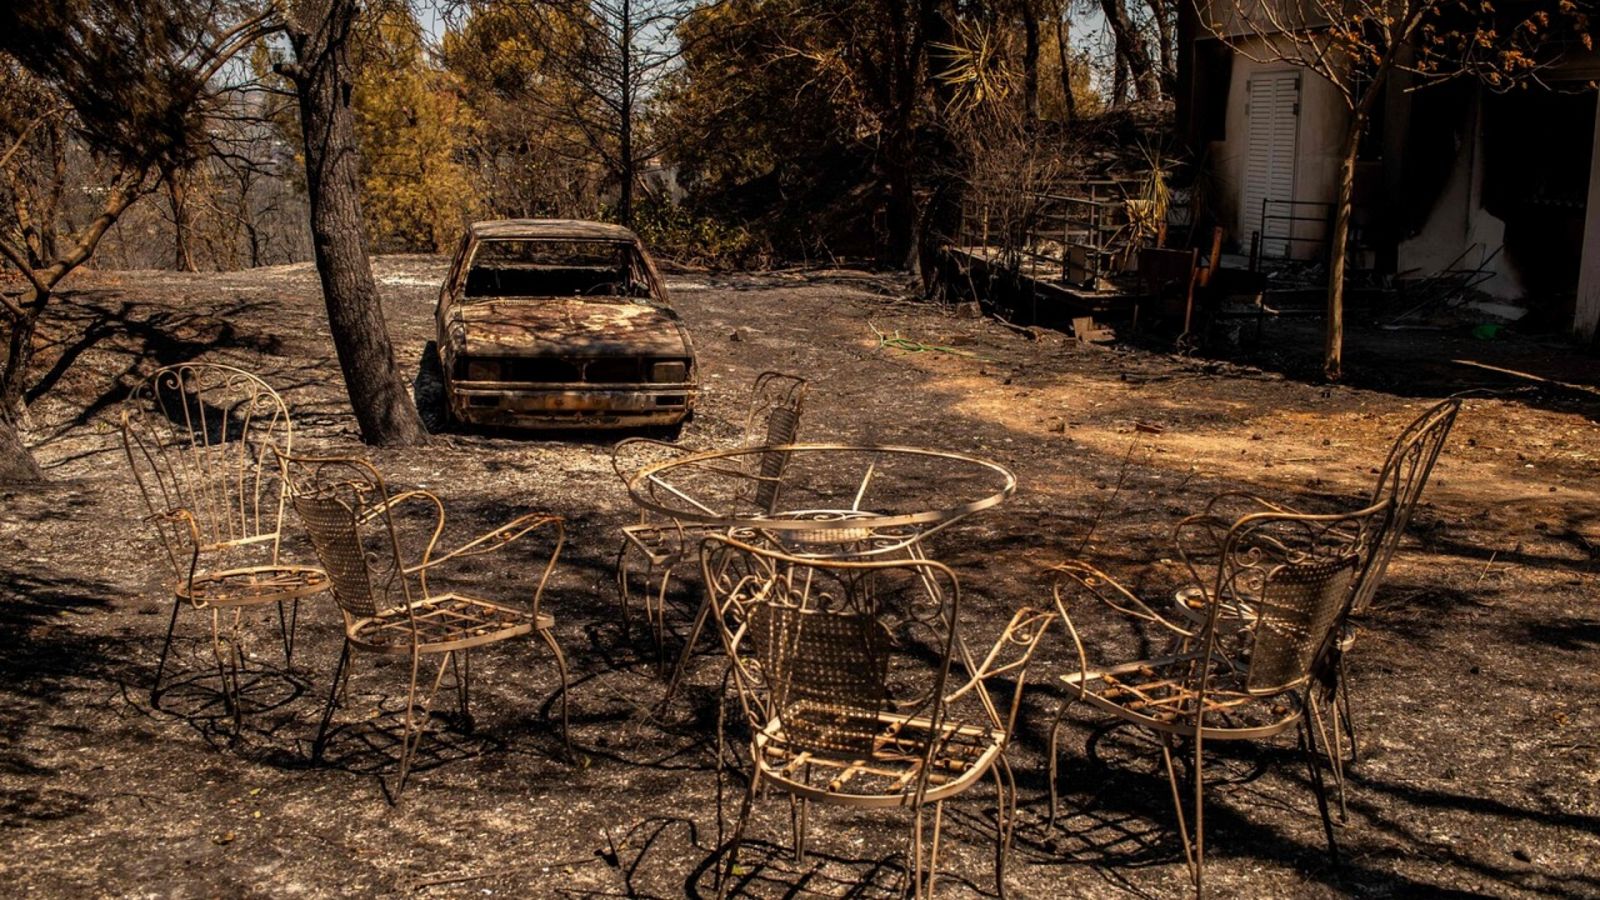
199,439
391,599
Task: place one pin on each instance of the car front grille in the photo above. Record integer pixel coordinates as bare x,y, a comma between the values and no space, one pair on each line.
554,370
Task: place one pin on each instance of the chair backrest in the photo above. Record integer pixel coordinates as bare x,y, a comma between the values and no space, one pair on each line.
776,404
1400,481
348,514
824,648
1300,573
197,437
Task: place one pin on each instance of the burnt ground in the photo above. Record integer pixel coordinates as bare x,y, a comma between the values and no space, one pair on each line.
1474,679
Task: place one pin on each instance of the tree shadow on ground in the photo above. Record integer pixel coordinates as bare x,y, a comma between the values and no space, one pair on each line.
45,660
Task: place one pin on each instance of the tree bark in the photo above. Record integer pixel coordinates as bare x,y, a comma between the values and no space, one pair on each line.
1030,63
319,31
1167,77
1131,50
1333,350
182,258
16,463
1063,52
625,133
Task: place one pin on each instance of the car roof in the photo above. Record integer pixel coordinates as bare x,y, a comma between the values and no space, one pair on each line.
572,229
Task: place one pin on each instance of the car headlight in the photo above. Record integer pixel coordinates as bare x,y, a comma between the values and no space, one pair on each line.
669,372
483,370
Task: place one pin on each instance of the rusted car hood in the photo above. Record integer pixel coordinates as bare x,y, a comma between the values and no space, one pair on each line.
565,327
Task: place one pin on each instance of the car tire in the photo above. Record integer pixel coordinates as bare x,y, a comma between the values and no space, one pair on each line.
428,390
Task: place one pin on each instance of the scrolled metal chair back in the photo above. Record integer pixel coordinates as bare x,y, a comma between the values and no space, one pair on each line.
197,437
347,512
777,402
1401,481
1300,573
824,648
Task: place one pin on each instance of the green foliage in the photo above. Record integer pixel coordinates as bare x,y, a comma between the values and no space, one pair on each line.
530,159
412,127
807,121
673,232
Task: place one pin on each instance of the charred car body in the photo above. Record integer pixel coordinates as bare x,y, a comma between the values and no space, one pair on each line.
548,323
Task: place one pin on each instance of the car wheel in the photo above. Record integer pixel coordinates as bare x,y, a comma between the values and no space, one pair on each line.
428,390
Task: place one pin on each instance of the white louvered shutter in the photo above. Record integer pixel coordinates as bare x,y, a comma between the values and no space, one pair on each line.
1273,111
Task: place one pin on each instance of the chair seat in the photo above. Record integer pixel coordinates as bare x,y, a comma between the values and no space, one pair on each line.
252,585
875,766
663,544
1154,693
445,622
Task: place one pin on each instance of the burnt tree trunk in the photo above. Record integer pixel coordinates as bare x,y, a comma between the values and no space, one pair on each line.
1030,62
1064,55
319,31
1333,349
625,133
16,463
1131,50
1168,74
177,197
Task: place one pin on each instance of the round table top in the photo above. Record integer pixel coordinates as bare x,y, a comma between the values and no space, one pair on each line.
820,499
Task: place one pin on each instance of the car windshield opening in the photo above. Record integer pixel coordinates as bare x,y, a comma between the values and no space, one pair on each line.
554,268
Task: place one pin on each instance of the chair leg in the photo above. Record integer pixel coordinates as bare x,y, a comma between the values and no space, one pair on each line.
339,672
286,629
678,671
561,668
1005,821
417,725
726,875
227,670
461,671
914,854
1342,708
624,593
933,849
657,614
1190,856
1055,738
1335,751
1313,764
797,827
166,646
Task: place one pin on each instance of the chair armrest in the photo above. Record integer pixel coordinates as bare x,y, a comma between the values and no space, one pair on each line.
1252,502
398,499
623,469
1079,575
1082,575
497,539
1011,652
180,515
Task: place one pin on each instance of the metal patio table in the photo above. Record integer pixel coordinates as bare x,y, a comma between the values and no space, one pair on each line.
820,501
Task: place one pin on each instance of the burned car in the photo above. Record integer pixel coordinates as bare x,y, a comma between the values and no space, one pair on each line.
560,324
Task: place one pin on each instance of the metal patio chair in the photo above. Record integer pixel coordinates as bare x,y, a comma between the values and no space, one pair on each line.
197,438
1301,574
777,401
843,671
391,599
1400,483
